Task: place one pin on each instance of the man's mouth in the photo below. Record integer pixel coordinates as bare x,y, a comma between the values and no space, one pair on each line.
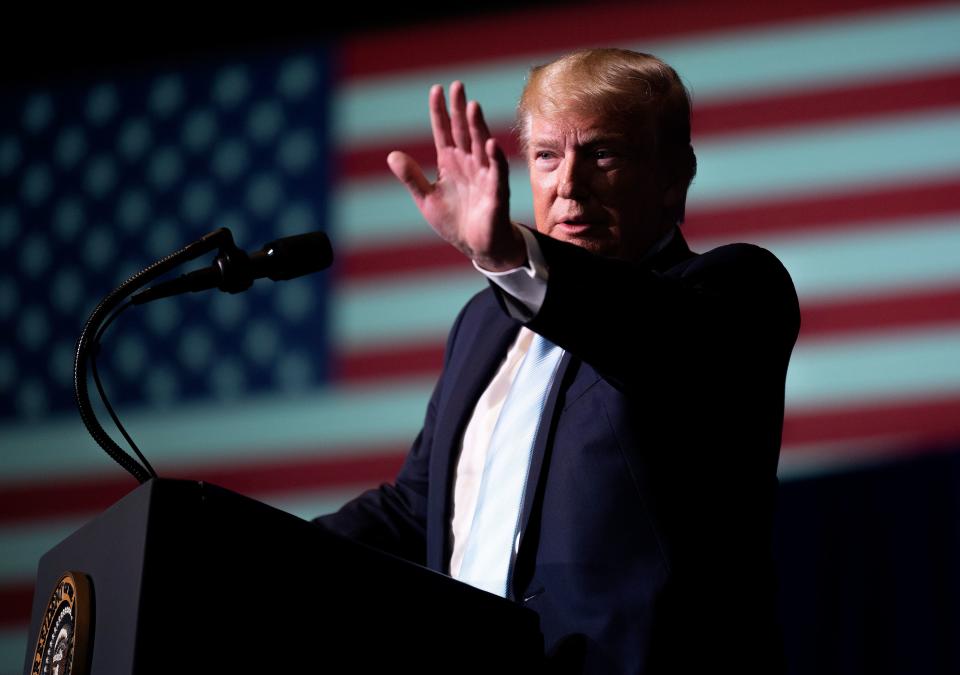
576,225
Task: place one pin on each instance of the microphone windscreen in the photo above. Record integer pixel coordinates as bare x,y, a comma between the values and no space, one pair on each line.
295,256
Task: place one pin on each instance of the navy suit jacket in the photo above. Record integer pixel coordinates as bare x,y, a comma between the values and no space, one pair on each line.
647,520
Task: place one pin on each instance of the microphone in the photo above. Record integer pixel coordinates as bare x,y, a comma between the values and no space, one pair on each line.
234,271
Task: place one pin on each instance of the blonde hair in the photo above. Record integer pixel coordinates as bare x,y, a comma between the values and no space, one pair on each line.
625,87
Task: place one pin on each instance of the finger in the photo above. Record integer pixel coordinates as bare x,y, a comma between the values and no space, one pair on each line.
406,169
458,116
501,168
439,120
479,132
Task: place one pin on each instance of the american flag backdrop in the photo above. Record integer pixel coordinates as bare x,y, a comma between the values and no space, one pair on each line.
828,132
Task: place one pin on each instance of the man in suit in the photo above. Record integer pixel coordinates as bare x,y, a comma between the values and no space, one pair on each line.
643,516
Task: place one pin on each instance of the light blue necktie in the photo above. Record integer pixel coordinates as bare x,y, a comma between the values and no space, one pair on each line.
492,537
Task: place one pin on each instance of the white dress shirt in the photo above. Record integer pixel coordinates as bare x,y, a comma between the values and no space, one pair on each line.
529,285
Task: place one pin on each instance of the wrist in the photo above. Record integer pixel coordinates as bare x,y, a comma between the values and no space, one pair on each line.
511,254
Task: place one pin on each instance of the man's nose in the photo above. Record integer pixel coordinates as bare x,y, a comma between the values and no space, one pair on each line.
573,178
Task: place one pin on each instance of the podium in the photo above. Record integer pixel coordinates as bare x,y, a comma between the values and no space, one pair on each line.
187,577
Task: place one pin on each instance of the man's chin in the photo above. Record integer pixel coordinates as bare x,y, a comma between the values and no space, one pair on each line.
601,245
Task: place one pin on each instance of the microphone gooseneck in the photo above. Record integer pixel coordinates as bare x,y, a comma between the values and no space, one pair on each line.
232,271
88,342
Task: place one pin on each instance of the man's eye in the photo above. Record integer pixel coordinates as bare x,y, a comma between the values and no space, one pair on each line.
544,154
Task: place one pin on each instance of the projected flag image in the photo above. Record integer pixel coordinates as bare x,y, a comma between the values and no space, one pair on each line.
826,132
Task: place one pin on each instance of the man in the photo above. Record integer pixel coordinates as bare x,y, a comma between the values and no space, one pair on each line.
640,526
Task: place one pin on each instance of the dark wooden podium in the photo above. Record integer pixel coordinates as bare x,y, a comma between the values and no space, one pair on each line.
187,577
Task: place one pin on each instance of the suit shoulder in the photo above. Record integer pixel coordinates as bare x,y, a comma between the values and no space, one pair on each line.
739,253
746,276
740,262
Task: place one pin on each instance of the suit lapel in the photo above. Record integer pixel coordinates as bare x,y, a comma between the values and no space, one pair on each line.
482,340
539,458
573,378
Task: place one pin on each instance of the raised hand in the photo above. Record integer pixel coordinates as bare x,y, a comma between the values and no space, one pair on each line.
469,204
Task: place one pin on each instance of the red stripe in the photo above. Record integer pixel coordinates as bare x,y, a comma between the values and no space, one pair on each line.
16,603
922,308
912,423
867,208
836,103
372,161
29,501
535,32
386,261
372,365
828,104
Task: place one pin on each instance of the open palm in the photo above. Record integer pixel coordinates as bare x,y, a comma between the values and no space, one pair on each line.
469,203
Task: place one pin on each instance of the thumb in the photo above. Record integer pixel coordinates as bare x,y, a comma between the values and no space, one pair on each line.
408,172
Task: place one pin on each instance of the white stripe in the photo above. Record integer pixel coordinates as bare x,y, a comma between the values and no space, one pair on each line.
244,431
825,158
25,543
374,111
388,313
816,52
881,367
380,211
13,650
759,167
912,253
722,66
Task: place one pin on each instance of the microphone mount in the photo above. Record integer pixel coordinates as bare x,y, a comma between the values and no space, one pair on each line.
234,271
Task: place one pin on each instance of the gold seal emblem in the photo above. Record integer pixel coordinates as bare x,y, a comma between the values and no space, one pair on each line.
64,641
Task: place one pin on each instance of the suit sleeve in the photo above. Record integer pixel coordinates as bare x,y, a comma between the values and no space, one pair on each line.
393,517
734,302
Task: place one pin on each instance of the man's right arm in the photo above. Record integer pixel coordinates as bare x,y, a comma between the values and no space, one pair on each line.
735,305
392,517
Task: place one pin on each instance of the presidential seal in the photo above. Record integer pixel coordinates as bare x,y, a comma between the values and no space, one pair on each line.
65,639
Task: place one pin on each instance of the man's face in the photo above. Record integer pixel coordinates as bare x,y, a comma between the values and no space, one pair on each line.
595,185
